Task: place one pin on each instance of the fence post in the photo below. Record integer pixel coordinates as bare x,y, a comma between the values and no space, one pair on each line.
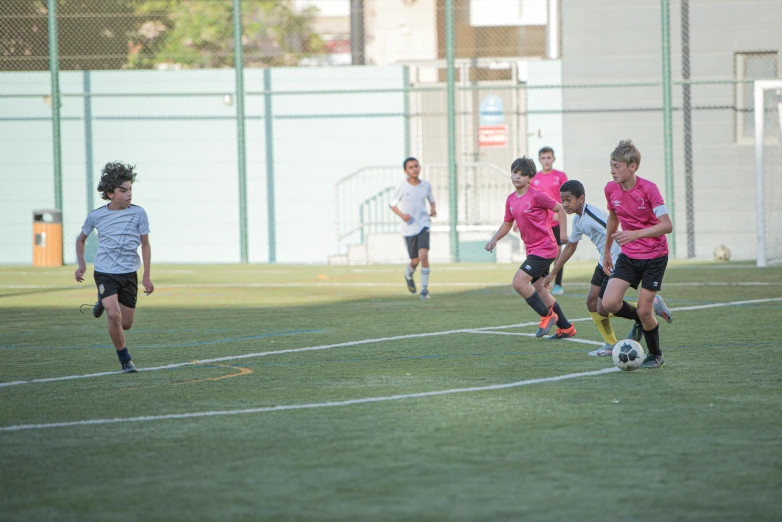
687,116
667,118
269,134
54,69
450,80
240,155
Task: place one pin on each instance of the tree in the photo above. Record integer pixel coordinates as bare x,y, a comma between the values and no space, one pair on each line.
193,33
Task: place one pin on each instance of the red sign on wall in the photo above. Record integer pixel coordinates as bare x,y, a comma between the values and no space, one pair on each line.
492,136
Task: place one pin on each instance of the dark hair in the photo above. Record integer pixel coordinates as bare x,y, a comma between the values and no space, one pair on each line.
113,175
574,187
546,149
404,163
525,165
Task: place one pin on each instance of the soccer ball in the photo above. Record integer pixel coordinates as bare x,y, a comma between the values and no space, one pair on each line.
722,253
628,355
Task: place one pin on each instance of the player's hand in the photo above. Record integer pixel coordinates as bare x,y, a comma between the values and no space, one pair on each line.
490,245
80,273
433,213
624,236
608,265
406,217
148,286
547,281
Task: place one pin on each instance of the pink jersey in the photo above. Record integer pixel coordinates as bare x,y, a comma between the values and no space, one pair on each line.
635,210
549,183
530,212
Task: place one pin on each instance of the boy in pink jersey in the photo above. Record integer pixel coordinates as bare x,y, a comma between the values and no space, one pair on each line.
549,181
528,209
637,205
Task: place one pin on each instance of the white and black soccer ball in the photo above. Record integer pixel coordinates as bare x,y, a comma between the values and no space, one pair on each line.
628,355
722,253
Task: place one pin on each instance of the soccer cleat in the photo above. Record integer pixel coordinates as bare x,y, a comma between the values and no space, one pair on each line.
410,285
653,361
425,294
636,332
606,349
661,309
564,333
129,367
557,290
546,323
97,309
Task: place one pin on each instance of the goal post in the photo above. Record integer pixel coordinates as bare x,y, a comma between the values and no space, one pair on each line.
768,170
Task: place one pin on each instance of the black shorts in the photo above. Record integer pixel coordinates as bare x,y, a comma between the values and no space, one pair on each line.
124,286
536,266
417,242
600,278
555,229
648,272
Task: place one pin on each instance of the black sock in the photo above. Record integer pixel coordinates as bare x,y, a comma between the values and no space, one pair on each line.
562,321
558,277
537,304
653,340
123,355
628,311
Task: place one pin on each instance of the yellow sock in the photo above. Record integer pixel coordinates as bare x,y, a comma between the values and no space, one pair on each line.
603,324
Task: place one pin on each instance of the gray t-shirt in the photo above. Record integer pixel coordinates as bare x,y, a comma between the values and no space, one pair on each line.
411,199
119,236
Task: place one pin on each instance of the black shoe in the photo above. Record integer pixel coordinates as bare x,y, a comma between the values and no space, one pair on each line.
636,332
410,285
653,361
97,309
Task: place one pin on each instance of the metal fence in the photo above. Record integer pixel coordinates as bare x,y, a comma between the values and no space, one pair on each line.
471,81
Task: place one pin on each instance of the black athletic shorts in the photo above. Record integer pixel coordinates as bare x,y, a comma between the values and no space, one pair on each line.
555,229
536,266
648,272
600,278
124,286
415,243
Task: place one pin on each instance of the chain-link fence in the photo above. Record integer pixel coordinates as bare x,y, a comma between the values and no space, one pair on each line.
153,83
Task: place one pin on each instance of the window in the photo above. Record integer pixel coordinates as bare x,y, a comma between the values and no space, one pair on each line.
752,66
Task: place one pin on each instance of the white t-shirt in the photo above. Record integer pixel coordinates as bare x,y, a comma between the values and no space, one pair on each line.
411,199
119,236
593,223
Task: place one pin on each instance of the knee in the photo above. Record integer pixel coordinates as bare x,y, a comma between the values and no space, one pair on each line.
601,310
127,326
611,306
115,317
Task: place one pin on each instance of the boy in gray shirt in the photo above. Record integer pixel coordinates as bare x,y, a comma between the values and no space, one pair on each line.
122,227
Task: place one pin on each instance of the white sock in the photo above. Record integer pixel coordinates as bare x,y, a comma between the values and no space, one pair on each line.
424,277
409,271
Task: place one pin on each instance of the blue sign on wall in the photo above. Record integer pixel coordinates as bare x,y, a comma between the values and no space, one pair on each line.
491,110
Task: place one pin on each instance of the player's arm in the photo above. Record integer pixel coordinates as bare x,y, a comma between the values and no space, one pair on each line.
562,218
612,225
146,256
433,209
395,210
395,199
660,229
567,253
501,233
80,241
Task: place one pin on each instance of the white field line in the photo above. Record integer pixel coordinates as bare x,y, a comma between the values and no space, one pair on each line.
572,340
332,404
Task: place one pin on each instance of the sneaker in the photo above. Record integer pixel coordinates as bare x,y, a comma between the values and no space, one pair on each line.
97,309
661,309
410,285
636,332
564,333
653,361
546,323
557,290
129,367
606,349
425,294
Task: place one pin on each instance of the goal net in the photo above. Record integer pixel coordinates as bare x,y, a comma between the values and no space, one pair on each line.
768,170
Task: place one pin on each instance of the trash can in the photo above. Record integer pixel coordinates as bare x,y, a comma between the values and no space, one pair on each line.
47,237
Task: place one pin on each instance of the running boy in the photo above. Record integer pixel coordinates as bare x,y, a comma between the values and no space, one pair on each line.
122,227
591,220
409,203
529,209
549,181
637,205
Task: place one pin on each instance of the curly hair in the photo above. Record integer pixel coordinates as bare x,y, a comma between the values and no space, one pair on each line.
113,175
525,165
573,186
626,152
